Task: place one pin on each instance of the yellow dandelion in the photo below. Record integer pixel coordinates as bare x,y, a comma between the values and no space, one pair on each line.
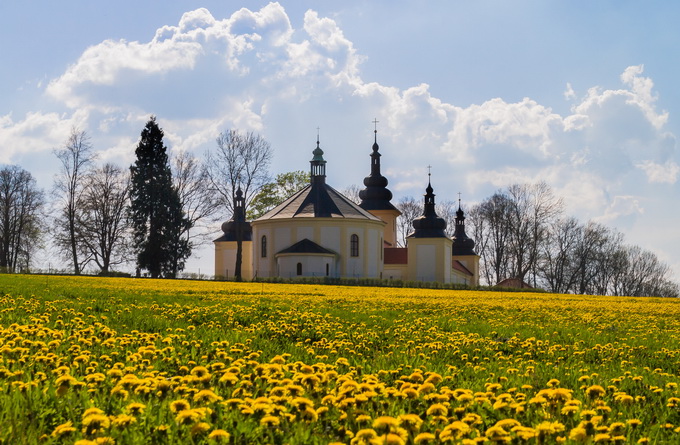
135,408
188,417
270,421
179,405
200,428
64,429
454,431
602,438
595,391
578,434
633,423
366,437
122,421
363,418
393,439
497,434
385,423
424,439
219,436
302,403
437,409
206,396
411,422
508,424
95,423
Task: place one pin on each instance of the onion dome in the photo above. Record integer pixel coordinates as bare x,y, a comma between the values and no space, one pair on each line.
462,245
237,222
429,225
375,196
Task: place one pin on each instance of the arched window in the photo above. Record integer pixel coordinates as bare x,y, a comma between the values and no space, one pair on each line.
354,245
263,246
299,268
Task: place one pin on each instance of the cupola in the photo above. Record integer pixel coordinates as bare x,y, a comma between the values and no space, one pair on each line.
429,225
462,245
238,221
376,196
318,165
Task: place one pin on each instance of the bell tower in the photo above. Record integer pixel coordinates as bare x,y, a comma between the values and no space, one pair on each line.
376,197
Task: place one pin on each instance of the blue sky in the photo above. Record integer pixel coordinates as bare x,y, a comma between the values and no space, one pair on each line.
581,94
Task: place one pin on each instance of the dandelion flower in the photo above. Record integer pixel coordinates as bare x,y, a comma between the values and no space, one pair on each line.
437,410
179,405
270,421
135,408
385,423
206,396
424,439
219,436
578,434
122,421
64,429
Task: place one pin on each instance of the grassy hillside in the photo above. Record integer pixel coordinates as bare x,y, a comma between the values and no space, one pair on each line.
114,360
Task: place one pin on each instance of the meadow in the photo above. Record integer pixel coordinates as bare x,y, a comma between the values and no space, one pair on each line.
132,361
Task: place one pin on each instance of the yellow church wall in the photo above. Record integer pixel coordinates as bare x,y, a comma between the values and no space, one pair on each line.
395,272
472,264
225,259
312,265
390,219
331,233
429,259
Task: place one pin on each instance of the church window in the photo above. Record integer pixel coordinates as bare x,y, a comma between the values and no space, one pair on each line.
263,246
328,269
354,245
299,268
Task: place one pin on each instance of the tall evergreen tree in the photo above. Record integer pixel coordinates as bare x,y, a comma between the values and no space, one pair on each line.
155,211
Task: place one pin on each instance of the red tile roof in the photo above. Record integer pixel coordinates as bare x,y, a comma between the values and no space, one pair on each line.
455,264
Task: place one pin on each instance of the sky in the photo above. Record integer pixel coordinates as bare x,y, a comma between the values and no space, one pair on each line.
580,94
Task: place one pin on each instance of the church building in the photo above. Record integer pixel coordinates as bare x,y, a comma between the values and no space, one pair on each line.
318,232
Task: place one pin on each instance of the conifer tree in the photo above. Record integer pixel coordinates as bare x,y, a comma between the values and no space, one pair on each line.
155,211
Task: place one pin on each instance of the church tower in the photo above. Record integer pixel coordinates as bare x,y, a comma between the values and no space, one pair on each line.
376,197
226,246
463,248
429,248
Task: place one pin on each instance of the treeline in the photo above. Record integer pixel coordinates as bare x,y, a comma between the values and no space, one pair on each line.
150,216
522,232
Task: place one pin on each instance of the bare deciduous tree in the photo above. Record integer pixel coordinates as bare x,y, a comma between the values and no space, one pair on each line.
197,199
102,217
241,162
21,204
559,265
447,210
532,208
352,192
410,209
491,230
75,160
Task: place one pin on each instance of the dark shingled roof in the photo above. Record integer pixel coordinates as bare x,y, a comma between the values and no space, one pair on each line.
318,200
307,246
